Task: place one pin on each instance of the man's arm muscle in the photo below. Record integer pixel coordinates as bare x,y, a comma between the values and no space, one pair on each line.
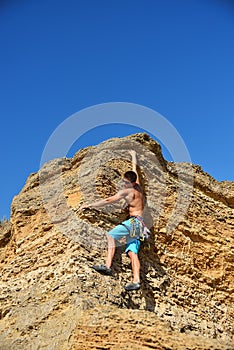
112,199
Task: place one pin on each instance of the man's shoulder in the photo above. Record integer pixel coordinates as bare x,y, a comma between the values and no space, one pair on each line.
137,187
124,192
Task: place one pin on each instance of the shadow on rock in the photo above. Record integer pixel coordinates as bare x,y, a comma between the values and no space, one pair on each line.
154,280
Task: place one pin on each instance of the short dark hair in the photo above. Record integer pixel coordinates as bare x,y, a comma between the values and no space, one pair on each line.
131,176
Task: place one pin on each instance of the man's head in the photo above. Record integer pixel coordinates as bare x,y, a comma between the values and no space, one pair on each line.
130,176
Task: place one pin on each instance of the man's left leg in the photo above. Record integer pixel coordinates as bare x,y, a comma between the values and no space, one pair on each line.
116,233
106,269
110,251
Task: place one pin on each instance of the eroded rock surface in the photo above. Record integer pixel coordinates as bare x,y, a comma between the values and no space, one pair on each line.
51,298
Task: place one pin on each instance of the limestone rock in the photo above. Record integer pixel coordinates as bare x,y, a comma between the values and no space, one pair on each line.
51,298
5,233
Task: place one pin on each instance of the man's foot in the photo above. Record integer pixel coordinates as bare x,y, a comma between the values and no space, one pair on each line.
102,269
132,286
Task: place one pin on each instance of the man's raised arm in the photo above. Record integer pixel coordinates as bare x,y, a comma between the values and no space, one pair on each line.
134,164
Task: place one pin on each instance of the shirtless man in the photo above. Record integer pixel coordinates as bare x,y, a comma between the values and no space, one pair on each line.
132,194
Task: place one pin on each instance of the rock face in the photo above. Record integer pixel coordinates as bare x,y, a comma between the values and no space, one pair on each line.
51,298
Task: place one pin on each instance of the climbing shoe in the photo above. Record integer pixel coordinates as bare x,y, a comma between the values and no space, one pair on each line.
132,286
102,269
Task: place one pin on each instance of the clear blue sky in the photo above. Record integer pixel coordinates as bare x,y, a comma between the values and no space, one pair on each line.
58,57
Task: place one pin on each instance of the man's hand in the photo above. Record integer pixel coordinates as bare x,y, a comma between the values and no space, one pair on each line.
84,206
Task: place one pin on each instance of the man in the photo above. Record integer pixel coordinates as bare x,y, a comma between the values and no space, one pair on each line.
132,193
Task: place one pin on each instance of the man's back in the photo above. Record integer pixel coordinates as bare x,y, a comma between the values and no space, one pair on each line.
135,200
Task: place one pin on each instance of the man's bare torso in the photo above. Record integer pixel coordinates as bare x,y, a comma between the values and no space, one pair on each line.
135,200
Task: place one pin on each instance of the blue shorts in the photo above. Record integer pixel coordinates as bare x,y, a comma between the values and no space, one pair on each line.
123,230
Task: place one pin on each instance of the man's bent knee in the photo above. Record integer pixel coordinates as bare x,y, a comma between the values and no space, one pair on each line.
131,254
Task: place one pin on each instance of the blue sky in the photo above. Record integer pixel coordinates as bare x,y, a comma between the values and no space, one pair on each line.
59,57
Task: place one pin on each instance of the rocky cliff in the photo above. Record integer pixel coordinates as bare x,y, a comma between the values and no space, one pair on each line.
51,298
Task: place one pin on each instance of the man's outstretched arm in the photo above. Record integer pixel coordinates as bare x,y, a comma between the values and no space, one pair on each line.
134,164
103,202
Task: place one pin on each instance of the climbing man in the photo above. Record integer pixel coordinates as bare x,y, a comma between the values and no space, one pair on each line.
133,229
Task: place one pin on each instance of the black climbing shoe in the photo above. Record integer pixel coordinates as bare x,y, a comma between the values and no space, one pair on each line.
102,269
132,286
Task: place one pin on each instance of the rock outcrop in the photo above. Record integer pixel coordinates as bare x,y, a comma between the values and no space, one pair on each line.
51,298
